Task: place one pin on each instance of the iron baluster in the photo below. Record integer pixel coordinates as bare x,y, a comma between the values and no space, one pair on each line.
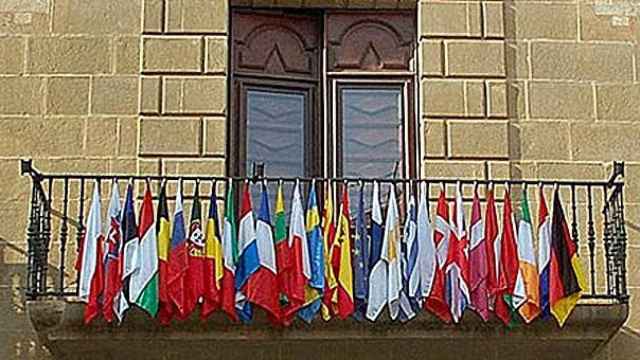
45,236
574,220
32,242
80,228
622,248
607,239
591,238
64,233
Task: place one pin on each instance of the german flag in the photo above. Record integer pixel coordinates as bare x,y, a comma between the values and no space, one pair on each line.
566,279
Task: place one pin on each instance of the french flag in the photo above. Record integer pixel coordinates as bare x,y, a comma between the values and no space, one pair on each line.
262,285
248,261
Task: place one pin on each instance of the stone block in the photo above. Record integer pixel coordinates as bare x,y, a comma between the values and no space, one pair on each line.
445,19
570,170
69,55
205,95
582,61
475,99
475,58
432,60
605,142
543,20
544,140
21,95
517,59
127,55
618,102
12,55
215,135
39,137
478,139
99,17
556,100
102,136
600,27
443,97
68,95
434,138
114,95
128,136
199,167
216,49
197,16
15,188
497,98
170,136
453,169
152,14
150,94
493,19
171,54
21,23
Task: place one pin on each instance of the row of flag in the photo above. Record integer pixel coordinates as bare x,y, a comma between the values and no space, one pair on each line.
314,265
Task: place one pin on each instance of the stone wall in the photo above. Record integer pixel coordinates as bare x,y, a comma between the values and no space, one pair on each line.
509,89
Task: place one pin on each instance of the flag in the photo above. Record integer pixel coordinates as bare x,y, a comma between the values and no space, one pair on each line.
298,269
436,302
313,291
528,268
144,281
213,263
409,258
262,286
112,259
544,253
510,295
282,246
378,272
248,261
420,284
329,297
457,265
230,248
91,282
194,277
361,261
129,252
478,272
566,279
492,246
345,306
166,308
178,259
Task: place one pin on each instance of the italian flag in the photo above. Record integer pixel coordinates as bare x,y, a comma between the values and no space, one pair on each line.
528,267
144,282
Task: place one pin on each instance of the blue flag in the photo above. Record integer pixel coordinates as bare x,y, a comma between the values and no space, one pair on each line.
361,262
315,288
409,249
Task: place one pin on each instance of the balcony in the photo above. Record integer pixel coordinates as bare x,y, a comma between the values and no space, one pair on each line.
59,203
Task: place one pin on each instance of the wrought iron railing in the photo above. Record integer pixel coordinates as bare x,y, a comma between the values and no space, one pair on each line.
58,209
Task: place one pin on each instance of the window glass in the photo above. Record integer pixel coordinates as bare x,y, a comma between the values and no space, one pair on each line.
372,132
275,132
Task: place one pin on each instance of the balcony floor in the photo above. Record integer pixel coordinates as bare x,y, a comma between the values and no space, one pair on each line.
59,326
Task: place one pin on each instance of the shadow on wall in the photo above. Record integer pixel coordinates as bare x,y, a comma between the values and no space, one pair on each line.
17,337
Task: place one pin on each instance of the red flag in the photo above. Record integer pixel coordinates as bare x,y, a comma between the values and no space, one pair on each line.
345,306
166,307
178,259
91,283
298,269
194,279
491,243
509,269
436,302
478,261
213,267
113,260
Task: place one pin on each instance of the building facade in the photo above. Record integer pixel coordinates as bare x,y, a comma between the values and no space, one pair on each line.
491,89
